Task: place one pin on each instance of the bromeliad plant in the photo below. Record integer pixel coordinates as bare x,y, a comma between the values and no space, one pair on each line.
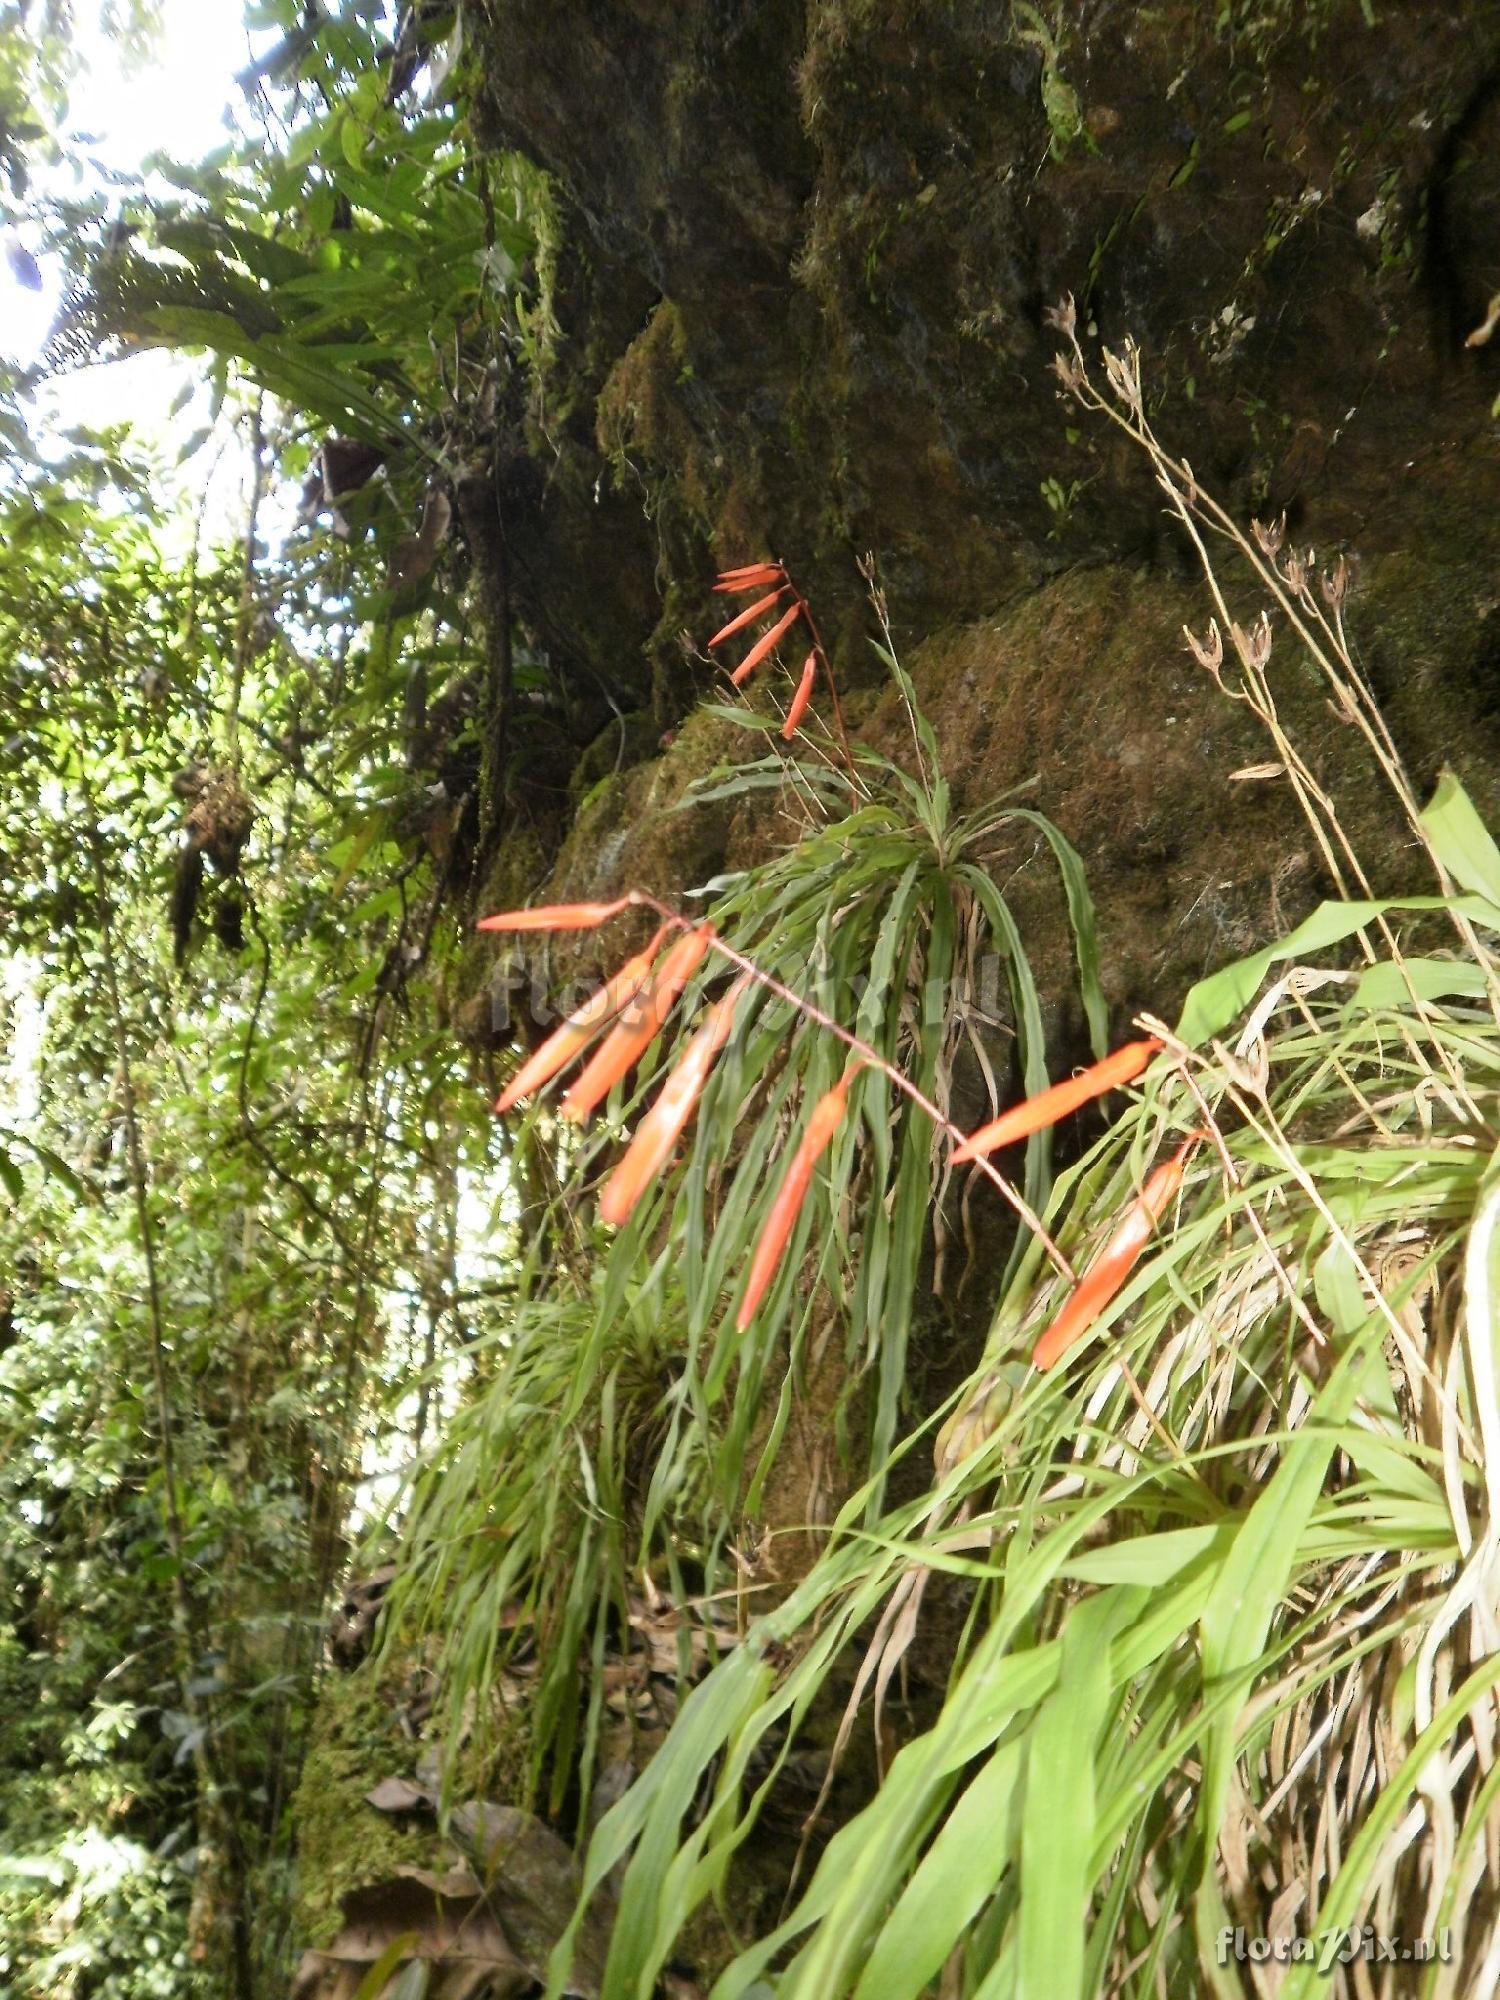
635,1003
637,1405
1231,1664
637,999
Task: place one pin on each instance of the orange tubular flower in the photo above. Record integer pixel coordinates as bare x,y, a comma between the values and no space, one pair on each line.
735,582
765,644
757,610
827,1115
559,916
663,1125
631,1036
565,1042
1116,1260
801,698
1123,1066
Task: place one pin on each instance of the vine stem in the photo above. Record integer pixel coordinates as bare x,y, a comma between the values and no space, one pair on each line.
244,635
874,1060
138,1184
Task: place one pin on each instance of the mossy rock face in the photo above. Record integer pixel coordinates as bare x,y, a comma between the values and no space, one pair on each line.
1085,695
486,1011
632,829
803,256
344,1844
800,261
807,253
1081,699
624,741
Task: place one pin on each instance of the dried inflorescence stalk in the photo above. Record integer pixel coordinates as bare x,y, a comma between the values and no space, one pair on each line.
1311,605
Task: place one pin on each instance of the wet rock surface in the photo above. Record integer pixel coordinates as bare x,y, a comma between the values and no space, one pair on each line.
803,263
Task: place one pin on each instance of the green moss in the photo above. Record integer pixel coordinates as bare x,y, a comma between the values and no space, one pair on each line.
627,740
632,828
342,1843
1082,694
636,412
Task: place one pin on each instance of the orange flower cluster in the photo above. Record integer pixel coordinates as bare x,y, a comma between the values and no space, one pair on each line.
634,1004
1116,1260
755,576
637,1000
1109,1270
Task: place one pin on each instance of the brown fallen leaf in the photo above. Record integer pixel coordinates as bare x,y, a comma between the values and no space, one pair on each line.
400,1795
1482,333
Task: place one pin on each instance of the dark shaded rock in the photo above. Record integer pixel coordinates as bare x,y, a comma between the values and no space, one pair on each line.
351,1630
803,261
478,1939
840,227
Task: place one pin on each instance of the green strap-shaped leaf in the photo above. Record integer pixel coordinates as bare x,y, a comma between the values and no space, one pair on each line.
1082,920
1253,1580
1461,840
1215,1002
956,1876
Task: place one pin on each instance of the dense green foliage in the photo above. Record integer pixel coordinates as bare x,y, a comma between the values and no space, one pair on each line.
887,918
207,763
286,1115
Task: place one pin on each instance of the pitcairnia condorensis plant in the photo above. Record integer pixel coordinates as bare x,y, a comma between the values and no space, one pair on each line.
1219,1496
780,1191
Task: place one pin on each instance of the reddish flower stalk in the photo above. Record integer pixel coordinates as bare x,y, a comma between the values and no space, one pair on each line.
565,1042
1116,1260
1123,1066
827,1115
664,1124
766,643
752,577
559,916
629,1039
867,1055
801,698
